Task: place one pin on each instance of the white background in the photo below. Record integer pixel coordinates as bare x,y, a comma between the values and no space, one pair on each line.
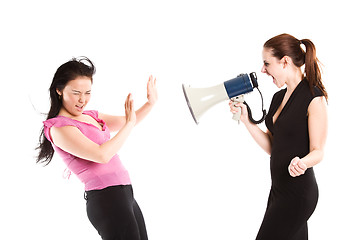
206,181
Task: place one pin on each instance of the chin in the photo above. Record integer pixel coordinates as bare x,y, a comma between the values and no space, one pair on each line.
79,110
278,84
76,113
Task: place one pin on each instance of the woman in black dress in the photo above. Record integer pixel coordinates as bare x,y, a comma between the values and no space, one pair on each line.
295,137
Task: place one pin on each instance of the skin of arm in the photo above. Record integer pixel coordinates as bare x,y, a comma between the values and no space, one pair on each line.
115,123
318,124
73,141
263,139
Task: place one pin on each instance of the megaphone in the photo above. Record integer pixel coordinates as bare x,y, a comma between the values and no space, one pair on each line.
199,100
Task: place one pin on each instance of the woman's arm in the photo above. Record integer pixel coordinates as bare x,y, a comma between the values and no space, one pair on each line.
115,123
318,124
263,139
71,140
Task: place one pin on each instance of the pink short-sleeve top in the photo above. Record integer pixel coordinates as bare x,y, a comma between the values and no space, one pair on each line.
94,175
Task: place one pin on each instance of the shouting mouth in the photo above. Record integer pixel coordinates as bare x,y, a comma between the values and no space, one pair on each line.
79,107
274,81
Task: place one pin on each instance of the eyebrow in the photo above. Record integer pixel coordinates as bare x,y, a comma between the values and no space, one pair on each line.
77,91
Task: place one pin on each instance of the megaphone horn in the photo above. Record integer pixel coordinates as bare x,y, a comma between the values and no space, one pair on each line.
199,100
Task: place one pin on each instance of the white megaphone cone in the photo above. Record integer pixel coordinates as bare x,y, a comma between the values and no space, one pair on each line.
199,100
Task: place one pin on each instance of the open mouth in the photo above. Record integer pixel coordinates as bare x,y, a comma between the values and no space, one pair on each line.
274,80
79,107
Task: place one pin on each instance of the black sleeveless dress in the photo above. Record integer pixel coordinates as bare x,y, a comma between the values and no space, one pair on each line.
292,200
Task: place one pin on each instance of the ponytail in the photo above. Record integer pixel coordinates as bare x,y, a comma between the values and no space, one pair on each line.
312,68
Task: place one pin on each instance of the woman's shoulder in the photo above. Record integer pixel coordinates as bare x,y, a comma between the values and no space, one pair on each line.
279,95
59,121
311,91
63,121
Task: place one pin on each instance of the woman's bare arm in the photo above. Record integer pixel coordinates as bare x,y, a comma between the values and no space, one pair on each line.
72,140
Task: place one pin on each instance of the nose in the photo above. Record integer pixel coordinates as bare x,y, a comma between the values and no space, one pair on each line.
81,98
263,69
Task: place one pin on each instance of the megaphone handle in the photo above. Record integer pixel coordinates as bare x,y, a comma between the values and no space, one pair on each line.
237,99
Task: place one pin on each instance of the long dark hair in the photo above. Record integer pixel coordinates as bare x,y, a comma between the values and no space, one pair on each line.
287,45
70,70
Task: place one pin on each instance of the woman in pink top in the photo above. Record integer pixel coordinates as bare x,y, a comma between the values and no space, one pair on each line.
82,139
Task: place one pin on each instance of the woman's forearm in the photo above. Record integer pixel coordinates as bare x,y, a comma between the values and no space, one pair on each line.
142,112
313,158
111,147
262,138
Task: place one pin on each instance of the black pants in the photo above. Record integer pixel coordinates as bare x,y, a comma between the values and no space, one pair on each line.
115,214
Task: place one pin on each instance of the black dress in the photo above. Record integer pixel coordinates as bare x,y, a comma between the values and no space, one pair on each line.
292,200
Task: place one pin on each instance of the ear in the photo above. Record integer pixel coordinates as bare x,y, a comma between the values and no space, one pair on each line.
58,92
285,61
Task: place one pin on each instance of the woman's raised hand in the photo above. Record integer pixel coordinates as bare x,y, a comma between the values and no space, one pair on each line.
152,94
130,114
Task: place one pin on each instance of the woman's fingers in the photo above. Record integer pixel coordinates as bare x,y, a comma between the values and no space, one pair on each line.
297,167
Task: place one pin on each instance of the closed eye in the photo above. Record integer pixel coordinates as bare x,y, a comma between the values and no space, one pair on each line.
76,92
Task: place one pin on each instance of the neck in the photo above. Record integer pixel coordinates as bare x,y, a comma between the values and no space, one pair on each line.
294,80
63,112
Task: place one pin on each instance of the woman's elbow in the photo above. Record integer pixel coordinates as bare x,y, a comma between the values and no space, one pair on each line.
101,158
102,155
104,159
